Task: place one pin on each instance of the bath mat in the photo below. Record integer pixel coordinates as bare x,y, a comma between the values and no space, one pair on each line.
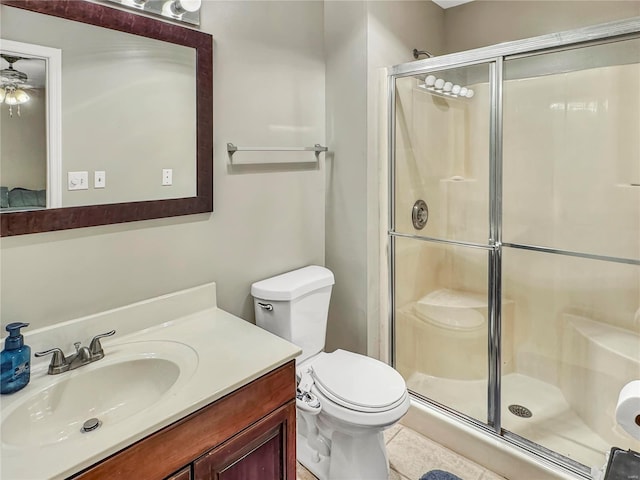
439,475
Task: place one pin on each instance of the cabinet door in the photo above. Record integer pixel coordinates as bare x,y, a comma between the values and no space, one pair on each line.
264,451
184,474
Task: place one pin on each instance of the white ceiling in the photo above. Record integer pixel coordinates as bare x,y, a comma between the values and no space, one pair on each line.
451,3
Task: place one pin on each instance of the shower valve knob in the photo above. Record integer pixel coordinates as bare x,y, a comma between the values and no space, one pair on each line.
420,214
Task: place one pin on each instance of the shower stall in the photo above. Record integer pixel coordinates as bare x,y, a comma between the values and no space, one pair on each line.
514,237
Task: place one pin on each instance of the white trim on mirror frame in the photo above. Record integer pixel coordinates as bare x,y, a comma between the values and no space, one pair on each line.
53,62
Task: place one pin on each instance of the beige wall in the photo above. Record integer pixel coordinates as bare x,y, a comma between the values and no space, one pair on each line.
360,39
268,83
23,151
346,241
487,22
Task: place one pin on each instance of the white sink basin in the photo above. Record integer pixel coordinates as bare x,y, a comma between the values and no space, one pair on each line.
131,379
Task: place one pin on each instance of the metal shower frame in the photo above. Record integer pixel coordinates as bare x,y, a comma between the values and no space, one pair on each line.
494,57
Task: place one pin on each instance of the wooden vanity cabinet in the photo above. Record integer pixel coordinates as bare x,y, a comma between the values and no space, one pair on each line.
249,434
184,474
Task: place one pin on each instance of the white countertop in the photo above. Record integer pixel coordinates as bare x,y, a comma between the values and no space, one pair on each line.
230,353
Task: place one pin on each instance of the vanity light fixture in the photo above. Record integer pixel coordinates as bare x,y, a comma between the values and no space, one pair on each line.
179,10
135,3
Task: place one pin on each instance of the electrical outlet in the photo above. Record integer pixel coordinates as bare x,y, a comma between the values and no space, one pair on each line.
167,176
99,179
78,180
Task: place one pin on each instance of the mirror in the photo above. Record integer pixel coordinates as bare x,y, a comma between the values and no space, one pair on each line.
137,100
29,109
134,96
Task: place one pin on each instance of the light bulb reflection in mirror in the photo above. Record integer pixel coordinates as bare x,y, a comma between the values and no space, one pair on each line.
10,99
176,8
22,96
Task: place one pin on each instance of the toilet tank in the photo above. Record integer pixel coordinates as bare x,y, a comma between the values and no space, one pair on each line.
295,306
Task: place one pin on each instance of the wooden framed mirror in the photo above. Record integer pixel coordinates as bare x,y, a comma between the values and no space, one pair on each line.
199,196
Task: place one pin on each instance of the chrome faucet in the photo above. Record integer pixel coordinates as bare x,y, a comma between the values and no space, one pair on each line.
82,356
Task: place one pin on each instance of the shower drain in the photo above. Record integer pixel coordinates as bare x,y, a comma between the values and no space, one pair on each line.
520,411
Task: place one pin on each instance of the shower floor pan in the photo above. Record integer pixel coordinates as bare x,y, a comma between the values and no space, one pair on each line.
553,424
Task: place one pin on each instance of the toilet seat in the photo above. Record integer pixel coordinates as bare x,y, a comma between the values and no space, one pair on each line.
358,382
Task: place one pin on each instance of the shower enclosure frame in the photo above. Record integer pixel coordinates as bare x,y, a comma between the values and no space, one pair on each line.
494,57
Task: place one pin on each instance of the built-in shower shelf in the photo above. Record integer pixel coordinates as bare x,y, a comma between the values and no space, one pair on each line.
618,341
458,179
438,93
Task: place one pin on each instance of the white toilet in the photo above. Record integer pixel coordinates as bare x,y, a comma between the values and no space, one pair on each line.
345,400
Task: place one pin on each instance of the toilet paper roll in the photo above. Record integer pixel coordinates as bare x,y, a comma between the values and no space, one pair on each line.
628,409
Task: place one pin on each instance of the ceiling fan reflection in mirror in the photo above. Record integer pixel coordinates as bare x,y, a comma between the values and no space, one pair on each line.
13,84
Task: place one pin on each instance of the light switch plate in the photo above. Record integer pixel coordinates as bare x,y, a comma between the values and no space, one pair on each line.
167,176
99,179
78,180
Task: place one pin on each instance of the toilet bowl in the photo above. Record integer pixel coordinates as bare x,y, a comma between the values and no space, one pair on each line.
360,398
345,400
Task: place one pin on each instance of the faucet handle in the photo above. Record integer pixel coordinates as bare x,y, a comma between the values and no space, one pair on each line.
96,348
58,361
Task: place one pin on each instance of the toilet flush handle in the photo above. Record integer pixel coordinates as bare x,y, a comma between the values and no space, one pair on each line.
266,306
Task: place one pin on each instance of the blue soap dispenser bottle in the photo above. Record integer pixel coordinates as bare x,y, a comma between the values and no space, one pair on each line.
15,360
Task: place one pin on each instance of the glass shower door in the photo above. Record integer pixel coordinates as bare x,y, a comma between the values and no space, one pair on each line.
441,236
571,232
514,236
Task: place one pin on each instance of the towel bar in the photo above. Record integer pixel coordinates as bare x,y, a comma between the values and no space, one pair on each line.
317,149
231,148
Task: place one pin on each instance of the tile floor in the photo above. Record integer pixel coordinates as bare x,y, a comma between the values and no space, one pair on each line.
411,455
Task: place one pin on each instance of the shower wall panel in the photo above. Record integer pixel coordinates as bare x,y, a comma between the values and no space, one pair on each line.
576,345
572,161
442,157
441,328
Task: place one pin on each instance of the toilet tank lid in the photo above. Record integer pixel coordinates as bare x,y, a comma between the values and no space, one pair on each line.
291,285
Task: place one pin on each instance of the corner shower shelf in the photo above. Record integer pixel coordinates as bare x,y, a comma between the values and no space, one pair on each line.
317,149
439,93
